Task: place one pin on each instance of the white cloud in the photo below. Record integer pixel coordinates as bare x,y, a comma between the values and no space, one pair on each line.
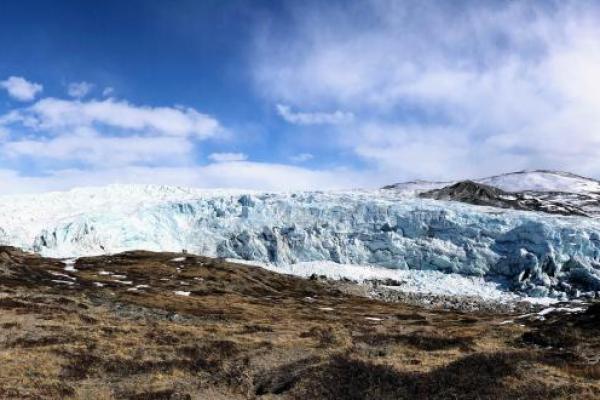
241,174
401,152
51,114
313,118
78,143
72,142
269,176
92,149
227,157
21,89
458,89
79,89
302,157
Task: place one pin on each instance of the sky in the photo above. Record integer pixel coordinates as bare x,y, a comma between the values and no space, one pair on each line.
288,95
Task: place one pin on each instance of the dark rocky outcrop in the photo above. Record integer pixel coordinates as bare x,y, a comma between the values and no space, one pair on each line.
485,195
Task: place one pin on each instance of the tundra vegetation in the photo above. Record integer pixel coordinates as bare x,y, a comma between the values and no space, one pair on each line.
144,325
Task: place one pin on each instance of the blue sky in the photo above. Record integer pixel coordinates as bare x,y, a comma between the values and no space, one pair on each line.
294,95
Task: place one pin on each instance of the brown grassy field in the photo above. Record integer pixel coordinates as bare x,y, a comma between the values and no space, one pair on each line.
144,325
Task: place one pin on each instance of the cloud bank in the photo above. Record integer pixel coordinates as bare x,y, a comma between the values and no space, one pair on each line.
70,143
446,89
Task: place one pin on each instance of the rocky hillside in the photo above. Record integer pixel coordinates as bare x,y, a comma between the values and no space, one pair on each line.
539,190
485,195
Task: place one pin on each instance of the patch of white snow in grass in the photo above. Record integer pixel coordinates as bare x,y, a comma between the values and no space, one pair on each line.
561,309
63,275
181,293
70,265
63,282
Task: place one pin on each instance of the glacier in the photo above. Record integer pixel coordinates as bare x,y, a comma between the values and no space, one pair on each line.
537,254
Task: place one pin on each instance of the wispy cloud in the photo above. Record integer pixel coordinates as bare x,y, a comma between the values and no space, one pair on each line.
79,89
20,88
52,114
108,91
313,118
302,157
90,148
227,157
241,174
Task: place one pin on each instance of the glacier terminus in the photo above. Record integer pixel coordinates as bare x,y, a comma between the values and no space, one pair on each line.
534,253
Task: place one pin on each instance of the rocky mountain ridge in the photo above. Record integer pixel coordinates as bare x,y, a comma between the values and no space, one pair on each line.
554,192
485,195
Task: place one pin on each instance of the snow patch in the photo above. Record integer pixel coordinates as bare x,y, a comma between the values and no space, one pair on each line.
561,309
70,265
63,282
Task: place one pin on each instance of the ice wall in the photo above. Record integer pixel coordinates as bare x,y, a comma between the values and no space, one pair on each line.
539,254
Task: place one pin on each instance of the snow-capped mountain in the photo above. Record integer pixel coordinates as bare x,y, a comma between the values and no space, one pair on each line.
536,252
519,181
543,181
540,190
484,195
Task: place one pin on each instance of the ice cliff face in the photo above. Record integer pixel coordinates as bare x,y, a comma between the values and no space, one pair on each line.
537,253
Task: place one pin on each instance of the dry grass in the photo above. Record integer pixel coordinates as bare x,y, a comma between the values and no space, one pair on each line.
246,333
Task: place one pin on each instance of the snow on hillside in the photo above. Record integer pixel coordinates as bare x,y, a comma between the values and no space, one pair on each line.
542,181
520,181
536,253
546,189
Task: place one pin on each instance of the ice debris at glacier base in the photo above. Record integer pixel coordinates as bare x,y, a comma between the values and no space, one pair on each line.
538,254
433,283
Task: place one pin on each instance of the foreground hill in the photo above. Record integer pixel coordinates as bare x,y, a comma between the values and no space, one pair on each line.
142,325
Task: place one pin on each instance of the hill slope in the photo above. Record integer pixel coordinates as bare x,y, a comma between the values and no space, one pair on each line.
143,325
